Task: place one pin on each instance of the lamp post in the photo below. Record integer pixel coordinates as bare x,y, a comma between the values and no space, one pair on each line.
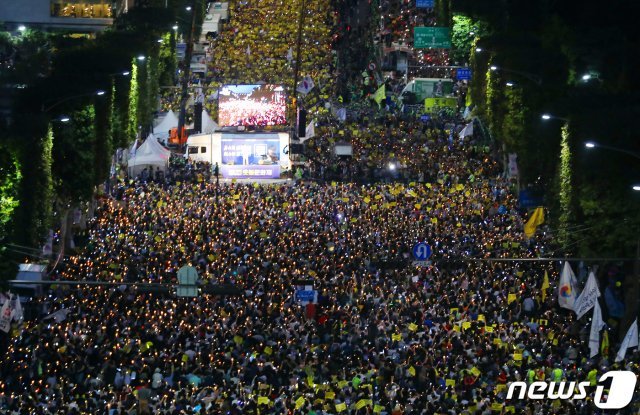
532,77
184,96
593,144
547,117
69,98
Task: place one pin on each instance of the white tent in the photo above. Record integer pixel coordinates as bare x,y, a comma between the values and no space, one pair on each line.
153,142
168,122
150,153
208,125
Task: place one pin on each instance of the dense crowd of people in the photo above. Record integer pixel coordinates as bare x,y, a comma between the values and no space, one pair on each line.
384,337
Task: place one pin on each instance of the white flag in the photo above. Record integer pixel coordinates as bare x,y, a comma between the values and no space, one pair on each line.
248,50
306,85
630,340
309,132
567,289
17,309
467,130
588,298
6,314
58,316
342,114
290,55
596,325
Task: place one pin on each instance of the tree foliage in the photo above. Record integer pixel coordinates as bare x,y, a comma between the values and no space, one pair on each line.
464,32
74,166
547,47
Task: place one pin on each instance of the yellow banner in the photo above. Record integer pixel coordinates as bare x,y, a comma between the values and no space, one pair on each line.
435,104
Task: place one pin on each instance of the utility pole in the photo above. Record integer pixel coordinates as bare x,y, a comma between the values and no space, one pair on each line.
187,69
296,71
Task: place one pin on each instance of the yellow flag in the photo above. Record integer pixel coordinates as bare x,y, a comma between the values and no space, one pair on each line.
412,371
511,298
263,400
604,347
396,337
545,285
341,407
299,402
450,382
379,95
537,218
413,327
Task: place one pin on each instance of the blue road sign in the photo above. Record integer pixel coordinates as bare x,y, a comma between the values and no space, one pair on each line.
463,74
305,295
425,117
421,251
425,3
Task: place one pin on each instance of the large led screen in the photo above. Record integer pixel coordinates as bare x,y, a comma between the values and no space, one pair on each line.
251,158
251,105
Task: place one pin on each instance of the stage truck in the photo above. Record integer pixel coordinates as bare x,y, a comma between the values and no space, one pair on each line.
240,155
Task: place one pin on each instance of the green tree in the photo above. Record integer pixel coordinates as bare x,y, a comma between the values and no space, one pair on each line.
132,119
10,176
464,33
565,192
35,192
74,156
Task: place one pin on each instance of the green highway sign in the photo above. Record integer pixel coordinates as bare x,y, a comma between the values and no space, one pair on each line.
431,37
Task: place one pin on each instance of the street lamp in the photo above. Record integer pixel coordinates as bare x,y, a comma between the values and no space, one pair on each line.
527,75
69,98
478,50
175,27
553,117
22,28
64,119
593,144
590,76
509,84
188,8
125,73
141,58
636,188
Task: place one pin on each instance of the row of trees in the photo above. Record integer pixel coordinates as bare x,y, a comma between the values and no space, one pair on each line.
541,50
47,166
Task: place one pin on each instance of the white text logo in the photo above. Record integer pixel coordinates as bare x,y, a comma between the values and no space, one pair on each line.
620,393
